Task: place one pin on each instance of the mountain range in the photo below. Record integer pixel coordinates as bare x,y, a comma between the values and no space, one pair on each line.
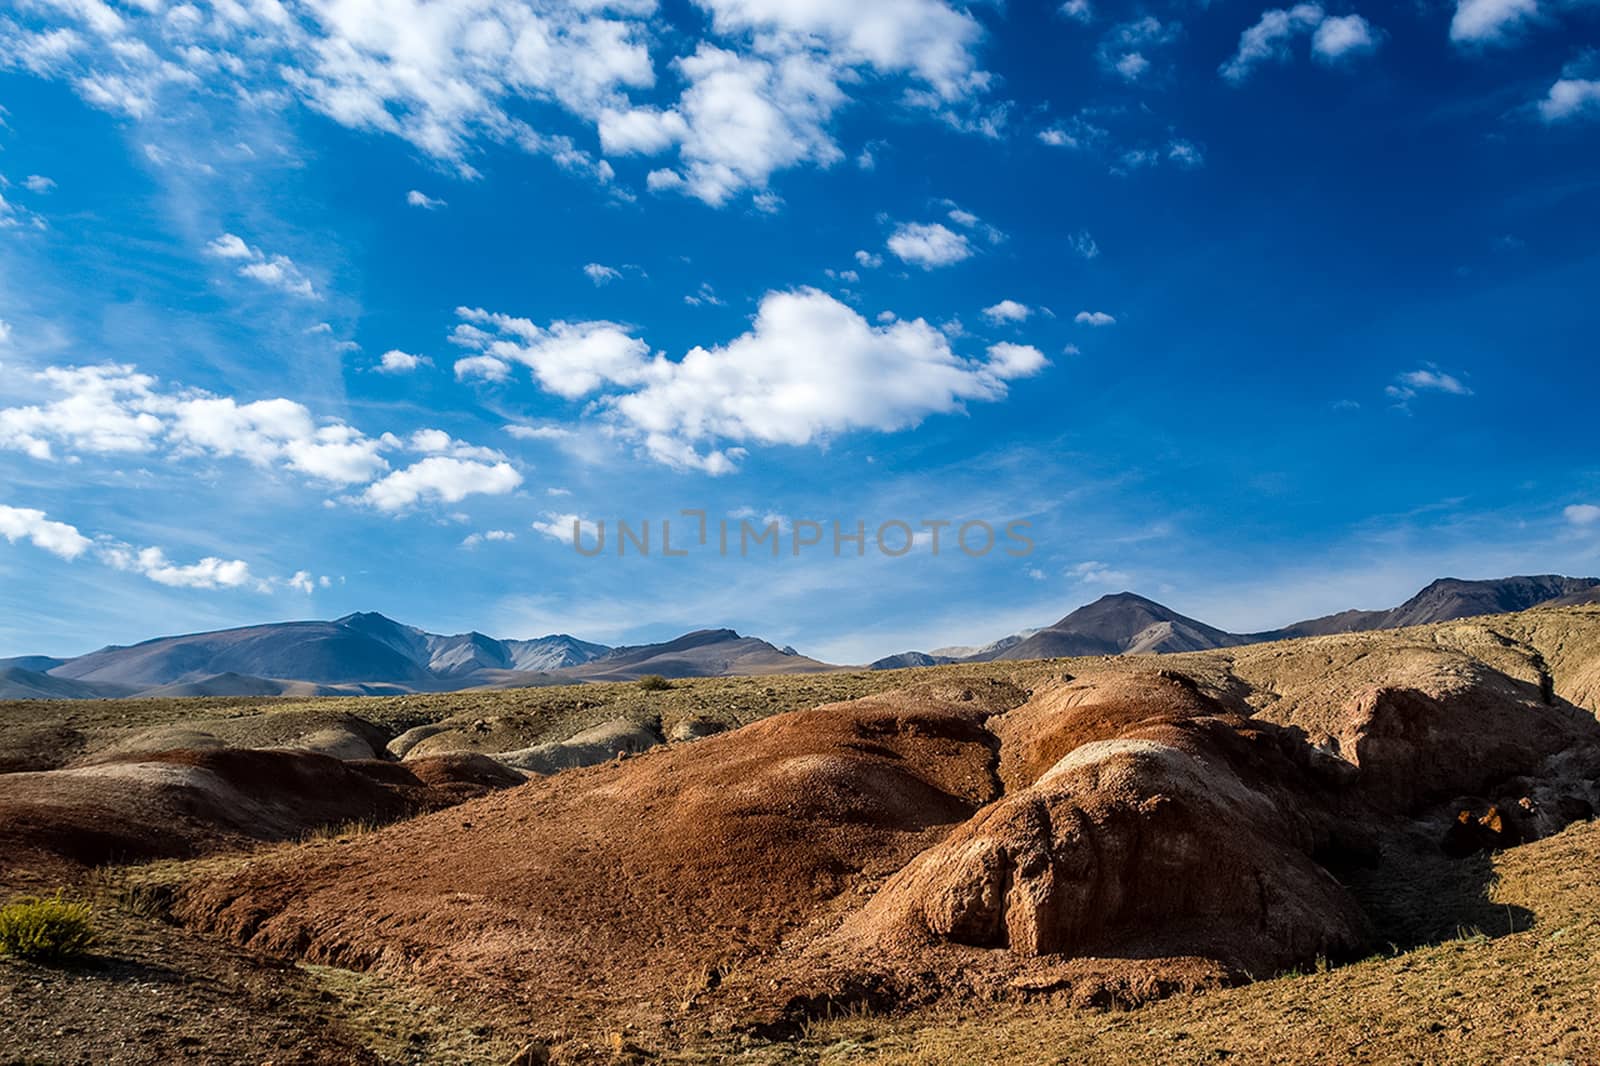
370,654
1128,624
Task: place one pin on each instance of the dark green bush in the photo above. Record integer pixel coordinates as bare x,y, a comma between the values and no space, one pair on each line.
654,683
51,929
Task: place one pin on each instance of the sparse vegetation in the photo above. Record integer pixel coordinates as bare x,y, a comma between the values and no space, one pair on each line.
46,929
653,683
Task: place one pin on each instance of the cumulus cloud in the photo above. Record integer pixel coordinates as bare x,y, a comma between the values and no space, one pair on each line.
1008,361
809,367
57,538
1569,98
209,573
757,94
38,183
274,271
1484,22
1583,514
1343,35
1332,39
64,540
418,198
1007,311
929,244
113,409
1576,94
601,274
1094,318
395,361
441,478
568,358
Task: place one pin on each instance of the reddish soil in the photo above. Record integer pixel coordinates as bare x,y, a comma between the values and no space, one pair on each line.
641,881
180,804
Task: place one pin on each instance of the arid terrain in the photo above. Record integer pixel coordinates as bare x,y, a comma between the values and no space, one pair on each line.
1369,846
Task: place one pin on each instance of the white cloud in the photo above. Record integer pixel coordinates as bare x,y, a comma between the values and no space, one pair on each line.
5,332
486,367
488,536
449,76
1084,244
1343,35
418,198
1010,361
65,541
38,183
569,358
1570,98
1077,10
559,527
209,573
1433,380
927,38
663,179
1057,137
601,274
1332,39
275,271
810,366
1126,48
1094,318
704,295
1480,22
1007,311
868,260
928,245
57,538
442,478
102,409
1185,154
1583,514
438,442
113,409
1427,379
1098,573
277,431
395,361
539,432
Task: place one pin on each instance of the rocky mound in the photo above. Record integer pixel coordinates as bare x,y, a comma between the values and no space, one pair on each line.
178,804
614,883
1142,818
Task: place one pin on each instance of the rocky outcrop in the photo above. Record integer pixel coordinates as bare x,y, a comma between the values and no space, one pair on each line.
1169,827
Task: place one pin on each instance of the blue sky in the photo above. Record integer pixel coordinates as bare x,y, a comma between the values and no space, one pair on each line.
313,306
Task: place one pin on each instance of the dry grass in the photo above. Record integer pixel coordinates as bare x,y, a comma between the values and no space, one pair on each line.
58,730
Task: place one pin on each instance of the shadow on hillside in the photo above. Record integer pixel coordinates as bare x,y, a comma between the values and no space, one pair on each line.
1416,895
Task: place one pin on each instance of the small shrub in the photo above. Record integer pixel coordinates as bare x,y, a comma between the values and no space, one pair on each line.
654,683
48,930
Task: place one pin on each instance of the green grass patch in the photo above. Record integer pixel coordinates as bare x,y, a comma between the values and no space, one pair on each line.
46,929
